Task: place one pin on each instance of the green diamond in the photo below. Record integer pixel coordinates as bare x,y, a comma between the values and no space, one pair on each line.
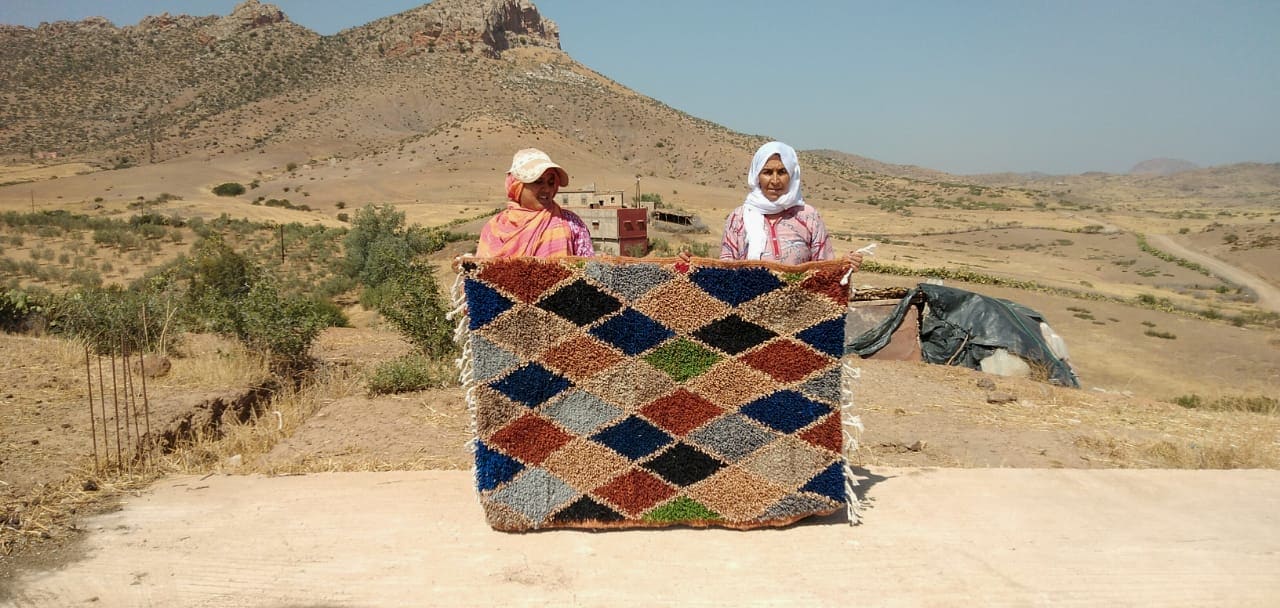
681,509
682,359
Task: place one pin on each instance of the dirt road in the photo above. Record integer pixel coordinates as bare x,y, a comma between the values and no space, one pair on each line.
939,537
1268,294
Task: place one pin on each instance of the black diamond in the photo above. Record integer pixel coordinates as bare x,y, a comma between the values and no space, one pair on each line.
585,509
684,465
580,302
733,335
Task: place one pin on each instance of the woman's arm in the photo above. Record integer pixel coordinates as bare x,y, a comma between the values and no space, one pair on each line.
733,245
581,242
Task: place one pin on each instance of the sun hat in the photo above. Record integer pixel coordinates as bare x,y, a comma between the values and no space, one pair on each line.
530,163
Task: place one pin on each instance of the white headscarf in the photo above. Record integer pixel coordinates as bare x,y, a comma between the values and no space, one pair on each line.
757,206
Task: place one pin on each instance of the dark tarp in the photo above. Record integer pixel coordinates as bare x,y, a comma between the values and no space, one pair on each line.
963,328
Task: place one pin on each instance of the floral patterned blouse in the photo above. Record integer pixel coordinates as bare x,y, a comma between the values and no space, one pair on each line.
796,237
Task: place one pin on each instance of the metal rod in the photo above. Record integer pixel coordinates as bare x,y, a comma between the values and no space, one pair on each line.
93,427
102,404
146,411
115,402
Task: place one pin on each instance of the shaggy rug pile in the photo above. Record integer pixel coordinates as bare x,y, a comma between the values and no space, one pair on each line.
632,393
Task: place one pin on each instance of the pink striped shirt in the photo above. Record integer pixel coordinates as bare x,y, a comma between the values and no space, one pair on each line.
796,237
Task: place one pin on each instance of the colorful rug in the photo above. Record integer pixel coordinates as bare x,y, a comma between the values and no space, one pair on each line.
618,392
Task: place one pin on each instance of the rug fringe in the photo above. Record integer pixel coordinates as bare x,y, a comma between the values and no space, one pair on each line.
465,362
851,429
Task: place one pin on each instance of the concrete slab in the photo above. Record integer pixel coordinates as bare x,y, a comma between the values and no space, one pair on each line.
989,537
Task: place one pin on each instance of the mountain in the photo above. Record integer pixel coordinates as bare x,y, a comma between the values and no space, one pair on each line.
454,85
172,86
1162,166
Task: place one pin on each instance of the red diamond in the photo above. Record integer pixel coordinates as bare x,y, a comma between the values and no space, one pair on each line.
635,491
826,434
786,360
530,438
680,412
524,278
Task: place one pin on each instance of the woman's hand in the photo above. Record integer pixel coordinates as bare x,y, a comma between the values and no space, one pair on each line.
685,256
855,260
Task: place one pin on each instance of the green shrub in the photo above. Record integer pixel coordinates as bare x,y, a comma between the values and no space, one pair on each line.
412,372
229,189
411,300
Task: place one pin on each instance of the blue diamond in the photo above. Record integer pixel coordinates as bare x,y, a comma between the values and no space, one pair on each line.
632,332
531,385
827,336
493,468
735,285
829,483
633,438
785,411
484,303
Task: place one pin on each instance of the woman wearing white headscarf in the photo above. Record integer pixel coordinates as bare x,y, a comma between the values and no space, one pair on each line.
774,223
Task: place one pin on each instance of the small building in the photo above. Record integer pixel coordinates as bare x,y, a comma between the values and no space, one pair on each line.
617,230
590,197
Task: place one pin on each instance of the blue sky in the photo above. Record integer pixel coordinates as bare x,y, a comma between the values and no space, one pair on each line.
1058,86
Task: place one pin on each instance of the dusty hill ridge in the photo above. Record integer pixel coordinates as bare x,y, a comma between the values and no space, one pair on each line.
486,27
90,86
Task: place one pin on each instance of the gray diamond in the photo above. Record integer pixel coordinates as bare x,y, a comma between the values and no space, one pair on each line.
733,437
490,359
627,280
581,412
535,494
792,505
825,388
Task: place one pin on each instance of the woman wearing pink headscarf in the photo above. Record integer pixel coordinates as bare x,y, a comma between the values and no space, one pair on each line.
533,224
774,223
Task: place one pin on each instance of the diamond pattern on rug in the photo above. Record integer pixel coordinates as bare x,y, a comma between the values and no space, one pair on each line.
581,357
734,286
683,465
631,281
484,303
786,459
582,464
631,332
494,468
785,411
679,510
682,359
786,360
825,337
527,331
680,412
630,385
737,494
826,434
529,438
635,491
525,279
535,494
587,510
733,437
634,438
733,334
530,385
790,310
681,305
823,387
580,302
731,383
621,393
580,412
491,359
494,410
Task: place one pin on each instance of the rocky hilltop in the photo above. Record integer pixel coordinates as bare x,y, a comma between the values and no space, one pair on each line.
151,90
487,27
